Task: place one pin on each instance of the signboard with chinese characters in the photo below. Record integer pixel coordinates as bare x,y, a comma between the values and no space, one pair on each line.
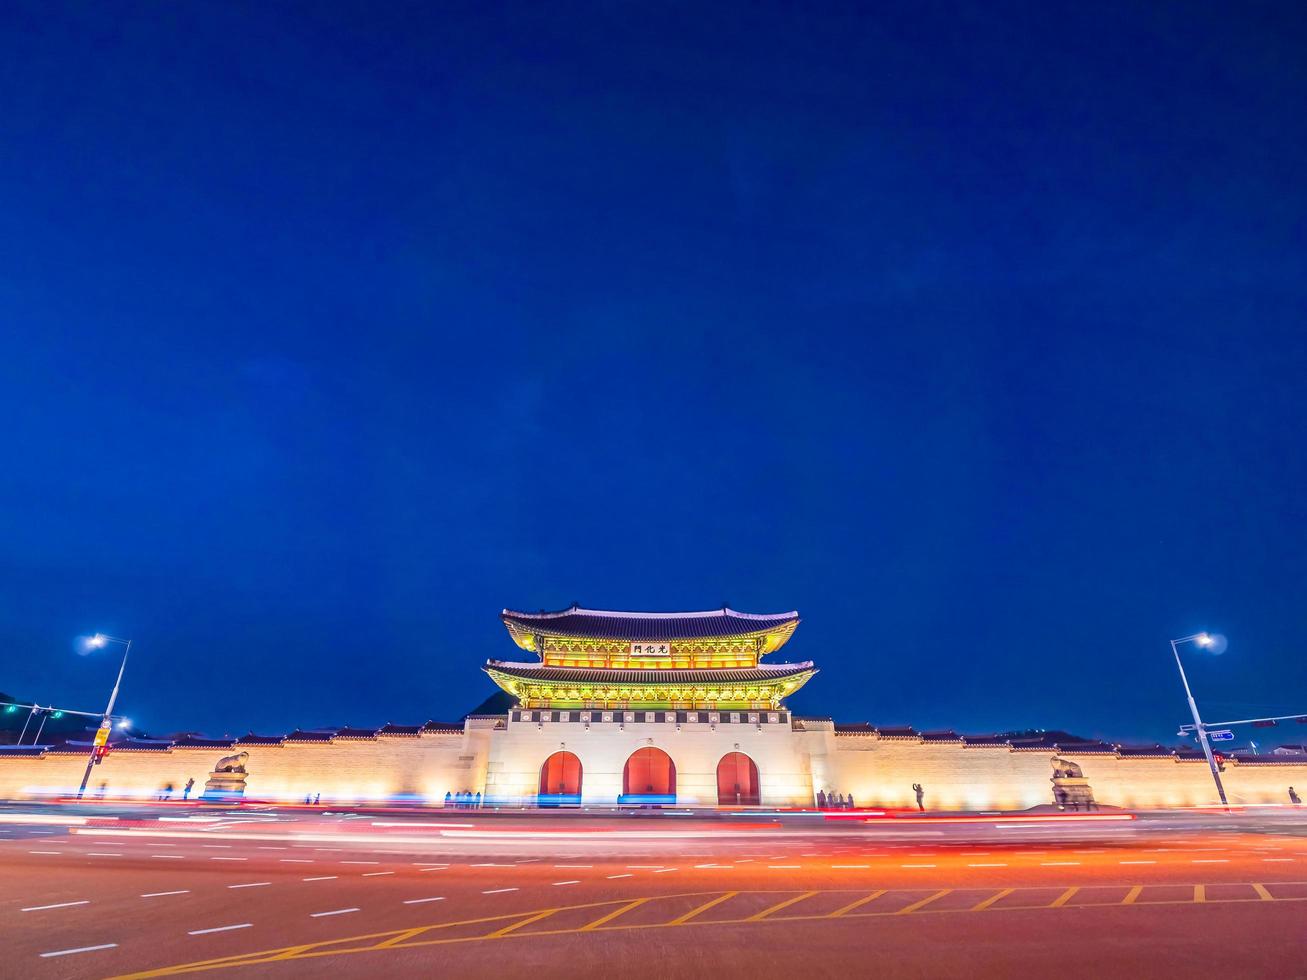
101,735
651,649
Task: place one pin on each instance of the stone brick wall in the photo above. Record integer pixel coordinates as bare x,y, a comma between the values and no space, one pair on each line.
502,760
345,770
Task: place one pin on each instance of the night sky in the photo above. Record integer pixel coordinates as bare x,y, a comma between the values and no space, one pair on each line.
975,333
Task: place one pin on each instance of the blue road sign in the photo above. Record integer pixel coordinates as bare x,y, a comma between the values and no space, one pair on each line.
1224,735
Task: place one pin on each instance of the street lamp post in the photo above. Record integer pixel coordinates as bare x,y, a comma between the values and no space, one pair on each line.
1203,640
99,640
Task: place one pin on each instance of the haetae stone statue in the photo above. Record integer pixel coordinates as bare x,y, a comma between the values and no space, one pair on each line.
227,781
232,763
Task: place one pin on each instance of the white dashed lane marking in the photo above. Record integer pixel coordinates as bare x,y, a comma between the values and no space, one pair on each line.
57,905
319,915
79,949
572,882
205,932
184,891
419,901
496,891
251,884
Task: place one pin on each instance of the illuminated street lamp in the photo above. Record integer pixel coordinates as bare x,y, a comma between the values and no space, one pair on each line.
1207,642
97,641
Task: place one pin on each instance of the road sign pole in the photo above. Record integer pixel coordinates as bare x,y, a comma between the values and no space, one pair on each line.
1199,727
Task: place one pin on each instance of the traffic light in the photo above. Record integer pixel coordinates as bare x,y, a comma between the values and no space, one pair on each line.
100,752
57,714
10,709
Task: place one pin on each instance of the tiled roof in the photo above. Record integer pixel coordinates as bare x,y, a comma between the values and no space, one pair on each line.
949,736
18,751
1145,751
1086,748
140,745
389,729
196,742
895,731
299,735
984,741
585,675
1272,760
252,739
357,733
69,748
639,626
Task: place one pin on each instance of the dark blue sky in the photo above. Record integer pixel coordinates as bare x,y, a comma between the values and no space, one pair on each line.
974,333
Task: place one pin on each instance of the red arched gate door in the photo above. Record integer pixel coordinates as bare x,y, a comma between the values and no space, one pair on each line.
560,780
649,777
737,781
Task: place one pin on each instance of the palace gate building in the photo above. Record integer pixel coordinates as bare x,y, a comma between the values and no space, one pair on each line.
647,709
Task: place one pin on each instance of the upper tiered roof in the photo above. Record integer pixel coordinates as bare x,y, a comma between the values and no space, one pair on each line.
603,624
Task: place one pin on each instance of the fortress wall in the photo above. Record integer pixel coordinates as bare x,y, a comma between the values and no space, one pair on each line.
880,772
792,765
1265,782
345,770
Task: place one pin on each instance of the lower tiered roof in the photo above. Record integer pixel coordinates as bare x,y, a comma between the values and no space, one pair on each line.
540,685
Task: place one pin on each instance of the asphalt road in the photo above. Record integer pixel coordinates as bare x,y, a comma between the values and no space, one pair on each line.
161,891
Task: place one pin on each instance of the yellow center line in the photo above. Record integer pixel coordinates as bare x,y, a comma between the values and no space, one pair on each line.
394,940
778,906
702,908
857,904
612,915
923,902
986,903
1065,897
520,923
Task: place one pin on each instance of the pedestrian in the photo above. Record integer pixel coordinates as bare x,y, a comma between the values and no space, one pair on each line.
477,804
168,790
851,801
316,797
921,796
449,798
1294,798
821,799
186,790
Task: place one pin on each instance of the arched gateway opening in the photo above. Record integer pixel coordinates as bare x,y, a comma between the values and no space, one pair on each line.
560,780
737,780
649,777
